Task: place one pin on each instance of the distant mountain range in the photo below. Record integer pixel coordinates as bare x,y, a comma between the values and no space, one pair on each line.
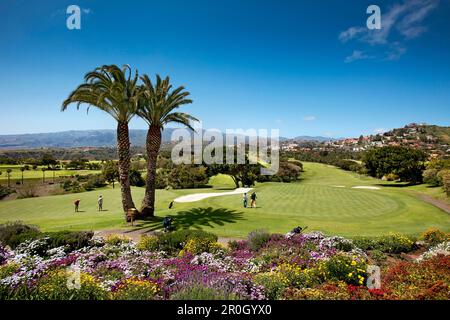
91,138
73,139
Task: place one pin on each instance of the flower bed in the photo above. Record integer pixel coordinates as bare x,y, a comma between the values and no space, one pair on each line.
303,266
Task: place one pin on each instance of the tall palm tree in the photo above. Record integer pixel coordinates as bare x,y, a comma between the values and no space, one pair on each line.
111,90
22,169
156,106
8,173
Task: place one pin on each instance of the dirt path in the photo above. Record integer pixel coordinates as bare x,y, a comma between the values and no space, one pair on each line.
435,202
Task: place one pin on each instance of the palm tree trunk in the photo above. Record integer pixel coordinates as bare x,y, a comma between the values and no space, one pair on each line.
153,144
123,150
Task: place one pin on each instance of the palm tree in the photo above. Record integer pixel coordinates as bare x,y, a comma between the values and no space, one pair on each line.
22,169
8,174
109,89
43,174
156,106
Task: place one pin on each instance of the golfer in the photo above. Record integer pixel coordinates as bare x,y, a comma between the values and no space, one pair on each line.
100,203
245,200
253,198
77,204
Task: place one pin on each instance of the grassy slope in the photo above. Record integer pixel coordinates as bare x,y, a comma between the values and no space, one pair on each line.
313,202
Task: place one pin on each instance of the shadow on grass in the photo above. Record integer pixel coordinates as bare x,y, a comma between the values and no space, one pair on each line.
195,218
396,185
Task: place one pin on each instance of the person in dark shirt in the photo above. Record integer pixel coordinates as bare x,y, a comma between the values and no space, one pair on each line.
77,204
253,198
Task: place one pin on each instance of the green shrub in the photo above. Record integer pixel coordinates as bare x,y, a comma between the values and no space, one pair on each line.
396,243
71,186
393,243
378,256
274,284
73,239
136,178
5,191
116,239
94,181
446,182
391,177
188,176
8,270
197,246
200,292
162,178
258,238
430,177
13,233
174,241
135,289
345,268
234,245
435,236
148,242
53,286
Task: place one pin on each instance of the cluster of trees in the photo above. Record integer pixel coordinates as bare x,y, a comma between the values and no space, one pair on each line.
346,160
288,171
82,164
404,162
83,183
187,176
33,156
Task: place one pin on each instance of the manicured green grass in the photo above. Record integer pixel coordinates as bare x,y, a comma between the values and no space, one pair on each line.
315,201
222,181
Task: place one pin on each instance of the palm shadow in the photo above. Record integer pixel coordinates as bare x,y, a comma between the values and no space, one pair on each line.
195,218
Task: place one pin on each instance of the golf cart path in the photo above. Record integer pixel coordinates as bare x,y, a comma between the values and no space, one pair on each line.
200,196
435,202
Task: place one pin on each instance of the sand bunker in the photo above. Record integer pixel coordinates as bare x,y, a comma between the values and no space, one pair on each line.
200,196
338,186
366,187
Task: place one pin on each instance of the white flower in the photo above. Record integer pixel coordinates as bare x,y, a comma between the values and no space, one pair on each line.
440,249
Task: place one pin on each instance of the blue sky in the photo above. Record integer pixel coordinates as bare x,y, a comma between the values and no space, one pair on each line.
305,67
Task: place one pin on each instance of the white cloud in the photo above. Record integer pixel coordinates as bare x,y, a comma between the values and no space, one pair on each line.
402,20
357,55
309,118
395,52
351,33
